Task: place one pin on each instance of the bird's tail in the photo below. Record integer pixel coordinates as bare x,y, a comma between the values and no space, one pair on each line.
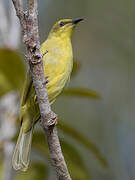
21,155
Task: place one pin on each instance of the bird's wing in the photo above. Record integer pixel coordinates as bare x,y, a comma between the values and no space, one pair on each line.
27,87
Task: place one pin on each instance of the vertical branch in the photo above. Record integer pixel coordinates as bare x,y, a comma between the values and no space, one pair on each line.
14,28
9,27
29,25
3,25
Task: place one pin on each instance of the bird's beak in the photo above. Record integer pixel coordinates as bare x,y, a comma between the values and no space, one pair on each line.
75,21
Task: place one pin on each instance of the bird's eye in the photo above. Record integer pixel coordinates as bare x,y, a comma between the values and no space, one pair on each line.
61,24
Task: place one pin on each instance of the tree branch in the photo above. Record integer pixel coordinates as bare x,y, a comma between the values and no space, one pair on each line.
19,11
29,25
3,25
14,30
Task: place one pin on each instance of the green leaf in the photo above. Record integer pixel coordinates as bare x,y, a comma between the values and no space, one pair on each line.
12,71
39,142
76,67
86,143
36,171
75,164
80,92
1,166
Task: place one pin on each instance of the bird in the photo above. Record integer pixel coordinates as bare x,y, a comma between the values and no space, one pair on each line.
57,65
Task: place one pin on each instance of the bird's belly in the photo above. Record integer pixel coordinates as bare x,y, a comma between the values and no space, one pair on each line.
56,86
58,64
57,81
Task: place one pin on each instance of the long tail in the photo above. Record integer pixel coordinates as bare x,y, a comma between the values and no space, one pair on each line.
21,155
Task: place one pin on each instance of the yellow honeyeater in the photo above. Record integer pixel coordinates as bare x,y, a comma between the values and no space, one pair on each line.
58,64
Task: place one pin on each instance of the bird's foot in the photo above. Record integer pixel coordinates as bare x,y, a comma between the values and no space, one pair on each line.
45,53
53,120
47,81
50,121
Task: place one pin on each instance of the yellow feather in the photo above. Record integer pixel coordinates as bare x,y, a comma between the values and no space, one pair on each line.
58,64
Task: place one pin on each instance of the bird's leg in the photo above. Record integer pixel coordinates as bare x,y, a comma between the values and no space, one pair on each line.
51,120
47,81
45,53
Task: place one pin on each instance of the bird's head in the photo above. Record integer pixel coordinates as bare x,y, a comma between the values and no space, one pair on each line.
64,28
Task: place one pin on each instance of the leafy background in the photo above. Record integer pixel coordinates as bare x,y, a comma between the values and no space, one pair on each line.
96,111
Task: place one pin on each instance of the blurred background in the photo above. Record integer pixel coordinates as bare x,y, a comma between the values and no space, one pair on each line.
96,110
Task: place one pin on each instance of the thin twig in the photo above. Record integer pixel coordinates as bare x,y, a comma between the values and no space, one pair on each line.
29,24
19,10
13,28
3,25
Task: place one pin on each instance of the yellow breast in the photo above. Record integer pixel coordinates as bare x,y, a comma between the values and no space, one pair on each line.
58,64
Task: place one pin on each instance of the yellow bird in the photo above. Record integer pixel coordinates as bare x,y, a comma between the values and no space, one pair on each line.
58,64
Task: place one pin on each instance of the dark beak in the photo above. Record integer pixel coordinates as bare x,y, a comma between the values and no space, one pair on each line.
75,21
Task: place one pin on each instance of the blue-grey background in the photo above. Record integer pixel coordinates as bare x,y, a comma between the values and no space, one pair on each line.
104,47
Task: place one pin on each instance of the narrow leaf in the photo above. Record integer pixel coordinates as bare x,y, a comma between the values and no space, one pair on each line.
76,67
74,161
12,71
80,92
75,164
86,143
36,171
